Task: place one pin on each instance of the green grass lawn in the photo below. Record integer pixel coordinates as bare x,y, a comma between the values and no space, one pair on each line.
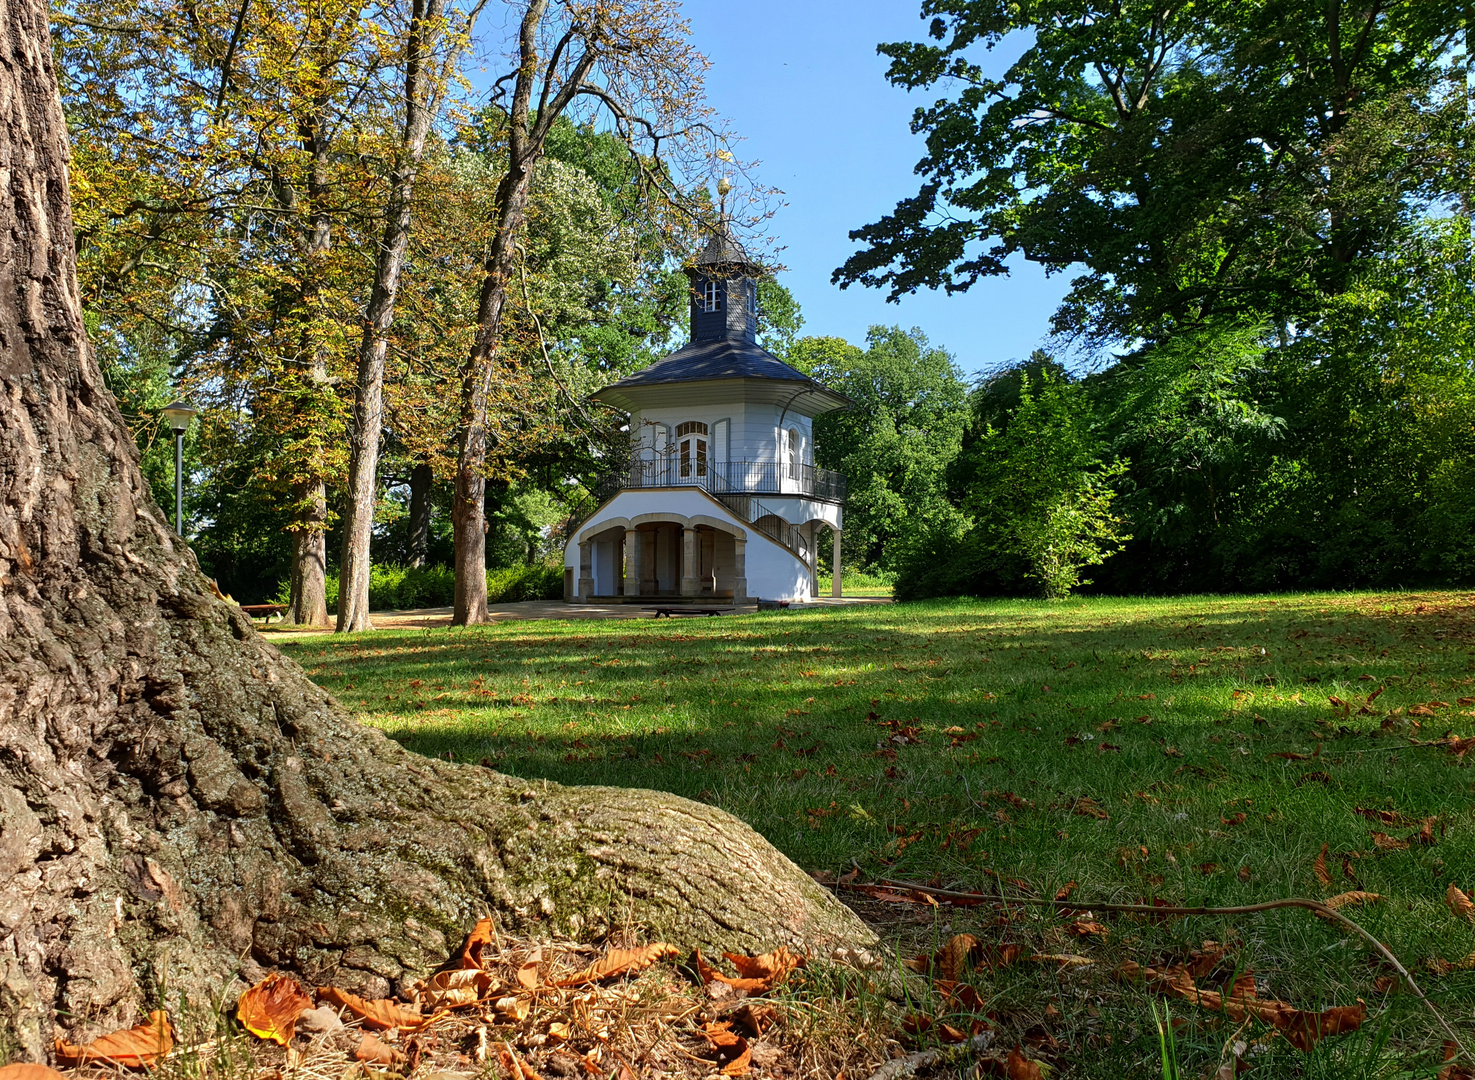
955,743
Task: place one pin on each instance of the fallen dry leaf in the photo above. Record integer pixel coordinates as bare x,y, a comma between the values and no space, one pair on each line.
1086,806
453,989
374,1051
620,962
771,968
732,1049
476,943
1084,927
1016,1067
951,960
1383,842
1320,867
1459,903
25,1071
135,1047
527,972
1301,1029
1452,1071
1355,898
513,1065
754,1016
269,1010
379,1015
756,974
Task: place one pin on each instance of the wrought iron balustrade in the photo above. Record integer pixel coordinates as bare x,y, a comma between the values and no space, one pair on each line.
728,478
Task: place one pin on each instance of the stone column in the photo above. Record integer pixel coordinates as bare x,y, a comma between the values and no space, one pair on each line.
739,572
689,548
630,568
649,582
586,571
813,561
708,548
835,563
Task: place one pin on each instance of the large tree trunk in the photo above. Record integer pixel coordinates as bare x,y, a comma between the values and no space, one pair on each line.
308,592
308,586
176,796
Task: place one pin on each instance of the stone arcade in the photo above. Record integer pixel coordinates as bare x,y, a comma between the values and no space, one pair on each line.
721,501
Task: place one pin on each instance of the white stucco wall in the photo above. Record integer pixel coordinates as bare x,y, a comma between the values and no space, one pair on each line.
772,572
752,432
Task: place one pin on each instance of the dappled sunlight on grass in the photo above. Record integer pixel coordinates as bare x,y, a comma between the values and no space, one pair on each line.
954,741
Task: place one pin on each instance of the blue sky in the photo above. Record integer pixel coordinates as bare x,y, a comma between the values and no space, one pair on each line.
801,81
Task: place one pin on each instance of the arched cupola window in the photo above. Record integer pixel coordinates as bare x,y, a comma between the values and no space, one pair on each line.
691,448
711,296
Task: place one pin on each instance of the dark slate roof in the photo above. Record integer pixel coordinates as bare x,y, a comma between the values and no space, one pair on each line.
730,357
723,250
724,358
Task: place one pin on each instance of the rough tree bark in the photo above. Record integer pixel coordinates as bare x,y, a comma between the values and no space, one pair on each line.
368,402
421,479
176,796
308,593
527,133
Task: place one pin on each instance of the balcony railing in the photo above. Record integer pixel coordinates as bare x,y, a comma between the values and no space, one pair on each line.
728,478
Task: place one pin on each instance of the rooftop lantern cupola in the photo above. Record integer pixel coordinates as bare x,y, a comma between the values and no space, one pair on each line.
724,290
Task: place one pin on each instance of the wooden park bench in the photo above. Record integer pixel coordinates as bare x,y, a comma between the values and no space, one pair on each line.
668,612
263,612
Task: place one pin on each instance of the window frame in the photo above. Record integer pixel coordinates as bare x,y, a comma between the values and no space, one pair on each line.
711,296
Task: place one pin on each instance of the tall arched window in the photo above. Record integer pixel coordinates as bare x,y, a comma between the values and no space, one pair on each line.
691,444
793,441
711,296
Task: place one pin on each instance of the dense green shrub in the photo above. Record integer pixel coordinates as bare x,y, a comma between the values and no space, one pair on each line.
535,581
401,588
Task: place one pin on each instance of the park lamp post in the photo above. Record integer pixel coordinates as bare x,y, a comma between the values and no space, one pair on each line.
178,417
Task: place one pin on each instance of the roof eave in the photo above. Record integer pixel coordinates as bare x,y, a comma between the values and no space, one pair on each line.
811,393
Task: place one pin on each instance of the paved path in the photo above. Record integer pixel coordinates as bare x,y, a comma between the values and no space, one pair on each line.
428,618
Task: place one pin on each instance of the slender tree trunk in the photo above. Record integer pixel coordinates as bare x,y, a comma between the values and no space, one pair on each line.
468,510
178,798
421,479
368,404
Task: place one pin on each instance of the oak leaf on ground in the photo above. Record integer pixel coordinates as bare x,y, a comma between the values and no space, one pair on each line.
139,1046
269,1010
378,1015
620,962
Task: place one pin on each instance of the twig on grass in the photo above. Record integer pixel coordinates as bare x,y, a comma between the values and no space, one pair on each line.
1314,906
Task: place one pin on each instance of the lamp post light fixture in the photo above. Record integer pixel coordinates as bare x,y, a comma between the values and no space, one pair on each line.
178,417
